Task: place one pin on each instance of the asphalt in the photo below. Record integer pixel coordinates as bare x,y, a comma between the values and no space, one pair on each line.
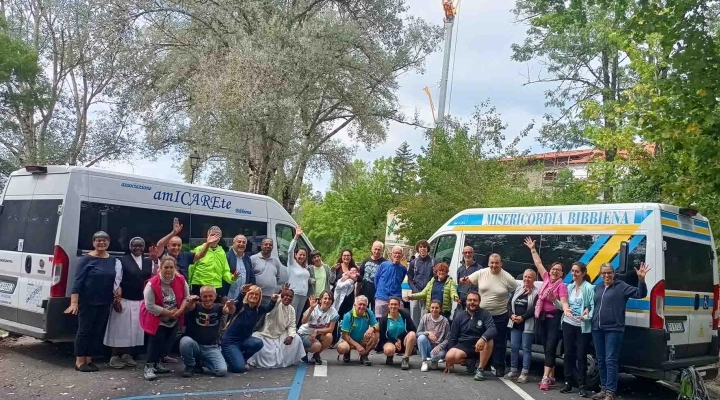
33,369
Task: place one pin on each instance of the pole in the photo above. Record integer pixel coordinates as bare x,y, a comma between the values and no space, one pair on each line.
449,22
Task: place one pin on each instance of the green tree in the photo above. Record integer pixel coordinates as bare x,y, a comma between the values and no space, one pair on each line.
404,171
352,214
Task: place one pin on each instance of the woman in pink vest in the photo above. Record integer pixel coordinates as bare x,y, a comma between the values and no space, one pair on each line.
162,312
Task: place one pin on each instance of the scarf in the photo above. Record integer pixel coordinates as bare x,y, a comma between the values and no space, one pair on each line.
547,287
279,323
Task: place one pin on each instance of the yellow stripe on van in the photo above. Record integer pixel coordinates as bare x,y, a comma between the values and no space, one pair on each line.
622,229
670,222
702,230
607,253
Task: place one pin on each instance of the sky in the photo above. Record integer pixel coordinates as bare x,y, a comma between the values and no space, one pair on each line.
481,69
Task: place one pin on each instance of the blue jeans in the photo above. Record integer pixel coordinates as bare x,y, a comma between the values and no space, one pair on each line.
209,357
425,348
607,349
518,338
236,353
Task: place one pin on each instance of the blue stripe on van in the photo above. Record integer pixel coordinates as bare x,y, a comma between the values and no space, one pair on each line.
638,304
671,301
665,214
590,253
472,219
701,224
640,216
632,244
682,232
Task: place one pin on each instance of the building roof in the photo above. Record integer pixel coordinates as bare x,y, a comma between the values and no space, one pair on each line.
580,156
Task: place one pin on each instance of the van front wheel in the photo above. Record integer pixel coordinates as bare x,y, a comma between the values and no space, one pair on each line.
592,380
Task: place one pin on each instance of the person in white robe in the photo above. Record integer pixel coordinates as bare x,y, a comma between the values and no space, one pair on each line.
344,287
282,346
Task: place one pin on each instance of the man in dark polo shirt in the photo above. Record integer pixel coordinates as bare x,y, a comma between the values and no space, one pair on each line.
471,338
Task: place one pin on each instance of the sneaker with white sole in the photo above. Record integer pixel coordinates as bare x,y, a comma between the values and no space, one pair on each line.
433,365
116,362
522,378
149,373
127,359
511,375
424,366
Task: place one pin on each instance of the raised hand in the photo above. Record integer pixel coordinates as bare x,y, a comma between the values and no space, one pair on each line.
298,232
529,243
313,301
213,238
644,268
245,288
177,226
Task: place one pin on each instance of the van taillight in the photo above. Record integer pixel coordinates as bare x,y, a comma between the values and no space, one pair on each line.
61,264
657,306
716,310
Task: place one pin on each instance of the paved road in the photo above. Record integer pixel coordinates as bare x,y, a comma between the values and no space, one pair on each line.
32,369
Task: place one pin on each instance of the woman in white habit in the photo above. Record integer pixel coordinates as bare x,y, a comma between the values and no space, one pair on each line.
282,346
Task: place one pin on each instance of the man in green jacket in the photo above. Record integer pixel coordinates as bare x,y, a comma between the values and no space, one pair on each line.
212,269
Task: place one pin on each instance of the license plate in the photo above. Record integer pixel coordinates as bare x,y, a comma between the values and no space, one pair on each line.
7,287
674,327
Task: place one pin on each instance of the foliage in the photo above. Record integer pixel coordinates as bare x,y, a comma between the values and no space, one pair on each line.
75,109
352,213
265,87
403,179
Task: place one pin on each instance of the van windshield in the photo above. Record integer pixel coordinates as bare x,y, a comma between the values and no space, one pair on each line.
688,266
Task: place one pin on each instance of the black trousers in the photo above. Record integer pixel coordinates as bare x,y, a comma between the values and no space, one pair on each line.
575,343
549,333
92,321
157,343
500,346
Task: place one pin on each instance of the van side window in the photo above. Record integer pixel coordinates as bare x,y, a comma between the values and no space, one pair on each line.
284,234
123,223
34,221
688,266
444,248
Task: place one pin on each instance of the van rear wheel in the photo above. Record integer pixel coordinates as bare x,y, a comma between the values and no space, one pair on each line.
592,380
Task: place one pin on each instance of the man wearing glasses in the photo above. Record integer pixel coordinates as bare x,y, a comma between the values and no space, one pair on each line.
466,268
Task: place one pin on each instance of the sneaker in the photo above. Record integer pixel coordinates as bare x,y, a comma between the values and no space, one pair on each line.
479,375
610,396
127,359
583,392
552,380
567,388
149,373
522,378
169,360
389,360
317,359
433,365
188,371
305,359
365,361
470,367
599,395
159,369
499,372
116,362
424,366
405,364
511,375
346,358
545,383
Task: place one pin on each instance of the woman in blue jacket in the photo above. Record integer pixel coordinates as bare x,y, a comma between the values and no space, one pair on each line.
608,324
577,328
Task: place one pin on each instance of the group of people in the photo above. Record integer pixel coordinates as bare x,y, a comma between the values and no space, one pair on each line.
236,310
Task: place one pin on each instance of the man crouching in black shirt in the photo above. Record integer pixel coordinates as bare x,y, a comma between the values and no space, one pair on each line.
471,338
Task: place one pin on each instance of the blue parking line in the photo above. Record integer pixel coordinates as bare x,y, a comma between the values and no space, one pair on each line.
198,394
297,383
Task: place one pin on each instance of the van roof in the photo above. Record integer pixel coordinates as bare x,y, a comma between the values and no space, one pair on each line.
64,169
581,207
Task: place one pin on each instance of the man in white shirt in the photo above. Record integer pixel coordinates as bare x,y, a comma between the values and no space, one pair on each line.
268,270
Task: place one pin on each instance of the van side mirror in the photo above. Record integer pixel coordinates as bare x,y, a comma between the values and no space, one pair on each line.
623,257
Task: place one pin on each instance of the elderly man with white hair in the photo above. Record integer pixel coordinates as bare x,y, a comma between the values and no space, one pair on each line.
360,331
388,281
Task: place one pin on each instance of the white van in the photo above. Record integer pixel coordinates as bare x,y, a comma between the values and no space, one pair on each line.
48,215
673,328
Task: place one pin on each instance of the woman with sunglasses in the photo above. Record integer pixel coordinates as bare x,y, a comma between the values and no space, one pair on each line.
576,328
547,316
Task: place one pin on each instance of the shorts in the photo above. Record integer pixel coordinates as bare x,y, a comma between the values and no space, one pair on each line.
402,345
306,340
468,348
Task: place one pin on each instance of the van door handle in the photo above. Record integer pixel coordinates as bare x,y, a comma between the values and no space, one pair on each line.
28,264
697,302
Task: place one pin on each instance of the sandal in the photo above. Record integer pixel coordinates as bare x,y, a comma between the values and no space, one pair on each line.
83,368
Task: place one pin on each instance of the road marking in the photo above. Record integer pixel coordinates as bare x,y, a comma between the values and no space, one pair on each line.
198,394
515,388
321,370
296,387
